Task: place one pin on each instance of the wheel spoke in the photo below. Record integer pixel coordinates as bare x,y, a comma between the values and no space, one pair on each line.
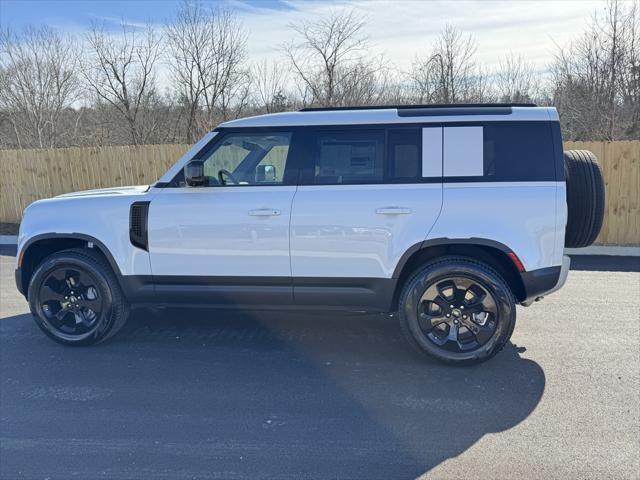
453,333
428,323
61,314
439,340
489,304
447,290
59,277
442,302
91,304
483,334
81,317
48,294
84,280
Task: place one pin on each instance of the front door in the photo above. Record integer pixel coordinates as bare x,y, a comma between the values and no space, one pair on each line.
228,241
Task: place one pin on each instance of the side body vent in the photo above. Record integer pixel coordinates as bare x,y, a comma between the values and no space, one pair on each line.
138,215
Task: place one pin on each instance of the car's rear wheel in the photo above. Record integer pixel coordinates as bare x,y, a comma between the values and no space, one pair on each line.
75,298
457,310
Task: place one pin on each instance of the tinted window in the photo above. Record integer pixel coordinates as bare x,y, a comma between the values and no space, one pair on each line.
518,151
405,154
348,157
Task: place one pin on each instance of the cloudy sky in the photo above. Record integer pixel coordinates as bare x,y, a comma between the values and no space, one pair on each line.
400,29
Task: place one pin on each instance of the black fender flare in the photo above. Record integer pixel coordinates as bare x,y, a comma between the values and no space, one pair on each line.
443,241
88,239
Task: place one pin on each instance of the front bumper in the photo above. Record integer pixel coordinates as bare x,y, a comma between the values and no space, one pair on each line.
541,282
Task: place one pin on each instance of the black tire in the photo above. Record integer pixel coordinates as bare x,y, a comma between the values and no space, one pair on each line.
460,269
97,309
585,198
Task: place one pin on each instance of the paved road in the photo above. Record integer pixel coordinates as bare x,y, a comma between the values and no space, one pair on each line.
216,395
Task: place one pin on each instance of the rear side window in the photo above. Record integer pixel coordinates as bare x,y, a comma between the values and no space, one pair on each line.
349,157
499,151
519,151
405,154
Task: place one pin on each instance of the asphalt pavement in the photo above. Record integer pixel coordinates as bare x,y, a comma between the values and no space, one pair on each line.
210,394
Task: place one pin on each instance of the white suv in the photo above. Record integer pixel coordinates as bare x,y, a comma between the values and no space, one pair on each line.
448,215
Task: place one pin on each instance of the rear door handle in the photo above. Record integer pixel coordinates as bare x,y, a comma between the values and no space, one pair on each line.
393,211
264,212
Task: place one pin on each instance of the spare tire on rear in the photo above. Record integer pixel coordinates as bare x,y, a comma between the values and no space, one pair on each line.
585,198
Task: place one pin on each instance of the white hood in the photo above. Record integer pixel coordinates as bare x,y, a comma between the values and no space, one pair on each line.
107,191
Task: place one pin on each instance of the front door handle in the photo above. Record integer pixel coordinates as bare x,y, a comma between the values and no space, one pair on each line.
393,211
264,212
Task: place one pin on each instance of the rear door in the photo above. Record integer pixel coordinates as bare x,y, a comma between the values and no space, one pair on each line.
366,196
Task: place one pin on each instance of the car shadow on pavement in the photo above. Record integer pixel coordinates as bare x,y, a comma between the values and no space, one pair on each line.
252,395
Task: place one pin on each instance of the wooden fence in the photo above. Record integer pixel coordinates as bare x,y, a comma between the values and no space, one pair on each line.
28,175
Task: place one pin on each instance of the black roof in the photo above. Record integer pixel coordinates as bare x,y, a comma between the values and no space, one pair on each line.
431,105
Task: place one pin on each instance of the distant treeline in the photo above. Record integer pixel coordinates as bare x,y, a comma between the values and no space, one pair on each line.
102,88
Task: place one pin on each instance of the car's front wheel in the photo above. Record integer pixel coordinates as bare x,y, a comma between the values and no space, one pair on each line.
75,298
457,310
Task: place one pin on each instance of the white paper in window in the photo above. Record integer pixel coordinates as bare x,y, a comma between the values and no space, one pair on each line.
463,152
432,152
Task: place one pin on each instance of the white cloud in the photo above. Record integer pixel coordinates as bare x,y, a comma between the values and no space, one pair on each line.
403,28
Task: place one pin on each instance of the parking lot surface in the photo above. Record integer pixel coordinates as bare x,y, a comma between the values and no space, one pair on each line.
211,394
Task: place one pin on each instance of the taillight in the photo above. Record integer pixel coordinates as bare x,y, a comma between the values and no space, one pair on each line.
516,261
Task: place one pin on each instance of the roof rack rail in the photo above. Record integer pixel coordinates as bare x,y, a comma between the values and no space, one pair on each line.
431,105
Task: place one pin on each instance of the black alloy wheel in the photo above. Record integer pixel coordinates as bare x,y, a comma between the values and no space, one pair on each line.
457,310
458,314
70,301
75,297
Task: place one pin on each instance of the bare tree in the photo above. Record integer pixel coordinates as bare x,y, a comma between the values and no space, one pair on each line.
38,85
630,74
120,70
330,62
269,80
207,48
595,77
449,74
516,80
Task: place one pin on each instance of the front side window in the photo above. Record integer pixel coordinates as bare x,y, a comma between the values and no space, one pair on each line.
349,157
247,159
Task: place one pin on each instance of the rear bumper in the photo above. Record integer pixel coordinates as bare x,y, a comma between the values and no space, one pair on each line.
544,281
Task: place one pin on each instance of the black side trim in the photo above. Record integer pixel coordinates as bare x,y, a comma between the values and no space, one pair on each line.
138,219
349,294
369,294
210,290
538,282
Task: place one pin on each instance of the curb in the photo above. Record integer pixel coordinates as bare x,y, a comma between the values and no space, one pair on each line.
607,250
8,239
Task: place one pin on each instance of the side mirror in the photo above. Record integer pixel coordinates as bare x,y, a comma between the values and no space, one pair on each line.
266,173
194,173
